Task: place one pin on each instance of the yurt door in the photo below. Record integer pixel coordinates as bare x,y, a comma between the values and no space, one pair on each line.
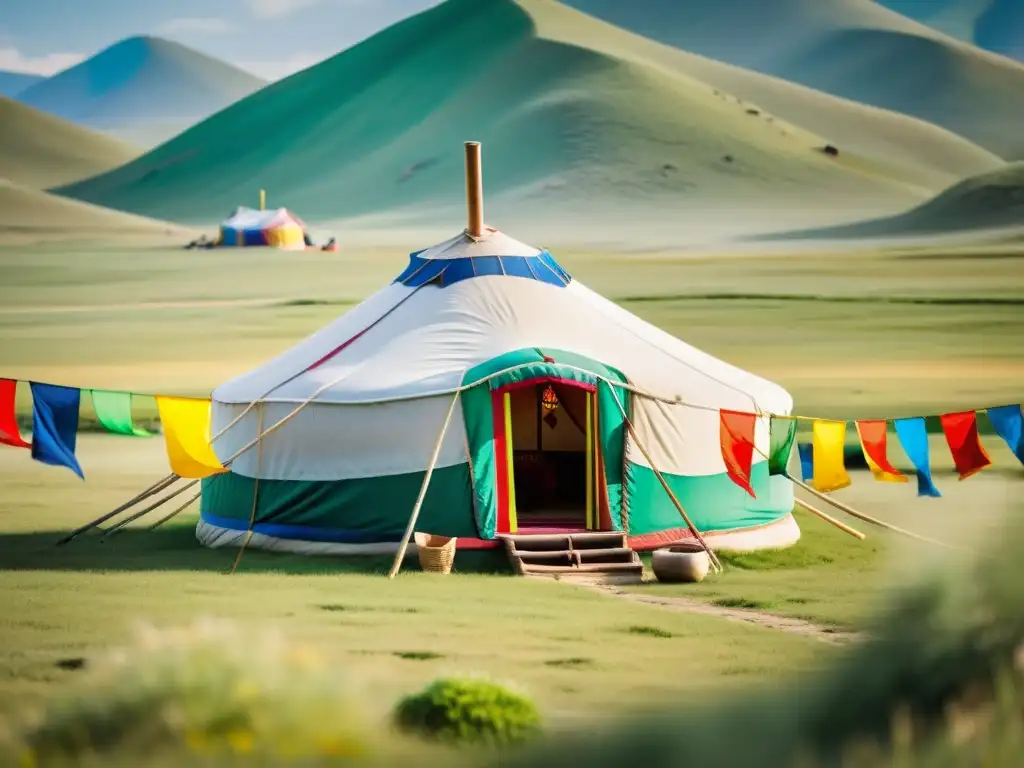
548,442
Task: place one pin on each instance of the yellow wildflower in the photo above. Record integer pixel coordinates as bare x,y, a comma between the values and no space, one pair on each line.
240,741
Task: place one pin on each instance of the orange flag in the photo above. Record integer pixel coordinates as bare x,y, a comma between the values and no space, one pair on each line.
736,433
961,431
872,434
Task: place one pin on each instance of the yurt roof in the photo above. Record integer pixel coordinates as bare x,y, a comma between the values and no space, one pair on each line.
252,218
415,339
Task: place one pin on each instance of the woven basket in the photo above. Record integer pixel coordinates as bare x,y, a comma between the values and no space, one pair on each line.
436,553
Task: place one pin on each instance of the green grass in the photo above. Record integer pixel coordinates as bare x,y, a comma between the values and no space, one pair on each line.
84,598
181,322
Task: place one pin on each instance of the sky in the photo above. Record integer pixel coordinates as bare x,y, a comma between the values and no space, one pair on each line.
270,38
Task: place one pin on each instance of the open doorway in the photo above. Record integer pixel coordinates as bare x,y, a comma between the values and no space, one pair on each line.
551,424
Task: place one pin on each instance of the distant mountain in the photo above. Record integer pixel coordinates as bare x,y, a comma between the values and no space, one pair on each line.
142,87
856,49
996,25
585,126
39,150
13,83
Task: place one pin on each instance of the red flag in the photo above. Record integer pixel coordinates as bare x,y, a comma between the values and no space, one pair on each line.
737,436
9,433
873,440
962,436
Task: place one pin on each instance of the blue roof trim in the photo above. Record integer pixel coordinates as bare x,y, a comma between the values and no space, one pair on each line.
542,267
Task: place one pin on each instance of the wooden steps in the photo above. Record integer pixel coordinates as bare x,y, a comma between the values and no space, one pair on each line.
602,557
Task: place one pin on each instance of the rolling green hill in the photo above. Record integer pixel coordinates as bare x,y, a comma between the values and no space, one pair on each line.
38,214
582,123
40,150
142,89
856,49
993,200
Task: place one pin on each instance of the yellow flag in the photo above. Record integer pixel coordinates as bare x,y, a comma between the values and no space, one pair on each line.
829,441
186,424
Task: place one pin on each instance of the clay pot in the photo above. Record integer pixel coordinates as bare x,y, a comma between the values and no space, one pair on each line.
682,562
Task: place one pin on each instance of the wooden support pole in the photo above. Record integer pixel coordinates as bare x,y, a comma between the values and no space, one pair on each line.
829,519
263,199
146,510
153,489
474,191
866,518
400,554
177,511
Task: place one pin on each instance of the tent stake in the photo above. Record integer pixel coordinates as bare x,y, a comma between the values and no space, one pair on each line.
177,511
866,518
155,488
400,554
146,510
829,519
474,191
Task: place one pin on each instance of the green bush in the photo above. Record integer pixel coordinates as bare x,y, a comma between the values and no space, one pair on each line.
469,711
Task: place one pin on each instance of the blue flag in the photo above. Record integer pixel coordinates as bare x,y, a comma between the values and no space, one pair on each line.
1009,425
806,461
55,425
913,435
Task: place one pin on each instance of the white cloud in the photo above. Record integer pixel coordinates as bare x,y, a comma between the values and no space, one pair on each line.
275,69
13,60
198,25
272,9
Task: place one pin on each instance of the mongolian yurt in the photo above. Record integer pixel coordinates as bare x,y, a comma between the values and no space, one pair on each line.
526,401
278,228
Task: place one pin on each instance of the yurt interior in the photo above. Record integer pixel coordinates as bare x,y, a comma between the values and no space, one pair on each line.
552,444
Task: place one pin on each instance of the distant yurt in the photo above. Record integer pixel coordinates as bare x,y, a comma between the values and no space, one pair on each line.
277,228
533,404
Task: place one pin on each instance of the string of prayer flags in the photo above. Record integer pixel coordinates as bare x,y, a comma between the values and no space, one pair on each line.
873,441
961,430
829,441
9,432
114,412
186,423
55,425
783,434
736,434
913,435
1008,422
806,451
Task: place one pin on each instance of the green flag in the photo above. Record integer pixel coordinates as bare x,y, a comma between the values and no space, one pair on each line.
114,412
783,433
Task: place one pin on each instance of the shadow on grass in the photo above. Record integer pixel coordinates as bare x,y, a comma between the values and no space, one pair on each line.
174,548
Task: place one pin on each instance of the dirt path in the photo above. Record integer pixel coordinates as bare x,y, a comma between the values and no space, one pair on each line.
760,618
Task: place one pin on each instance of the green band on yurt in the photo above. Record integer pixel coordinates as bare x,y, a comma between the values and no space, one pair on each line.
355,510
713,502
